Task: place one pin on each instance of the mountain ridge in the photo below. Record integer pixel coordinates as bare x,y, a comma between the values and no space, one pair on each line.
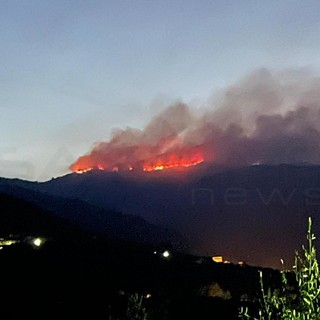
233,212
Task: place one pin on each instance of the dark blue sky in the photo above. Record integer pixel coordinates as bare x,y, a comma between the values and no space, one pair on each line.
71,71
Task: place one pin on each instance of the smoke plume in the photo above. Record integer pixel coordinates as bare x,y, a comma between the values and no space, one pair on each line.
267,117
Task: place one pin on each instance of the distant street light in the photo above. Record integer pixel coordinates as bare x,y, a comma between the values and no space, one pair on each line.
166,254
37,242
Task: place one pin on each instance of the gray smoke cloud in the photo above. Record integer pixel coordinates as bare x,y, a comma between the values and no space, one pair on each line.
266,117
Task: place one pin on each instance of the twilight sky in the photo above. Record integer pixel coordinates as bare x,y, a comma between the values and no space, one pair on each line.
72,71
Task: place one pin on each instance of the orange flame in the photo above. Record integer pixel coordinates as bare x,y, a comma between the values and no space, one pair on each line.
162,162
83,170
174,161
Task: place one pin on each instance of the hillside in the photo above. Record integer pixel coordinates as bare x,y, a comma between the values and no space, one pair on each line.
232,212
100,221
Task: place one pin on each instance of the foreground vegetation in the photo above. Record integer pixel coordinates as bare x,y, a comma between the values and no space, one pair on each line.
297,301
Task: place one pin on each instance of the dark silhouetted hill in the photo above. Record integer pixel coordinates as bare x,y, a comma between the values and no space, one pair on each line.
20,217
71,212
256,213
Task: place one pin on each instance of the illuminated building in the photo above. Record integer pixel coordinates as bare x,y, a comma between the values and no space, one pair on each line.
218,259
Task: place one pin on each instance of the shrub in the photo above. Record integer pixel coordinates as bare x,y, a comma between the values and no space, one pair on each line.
299,303
136,309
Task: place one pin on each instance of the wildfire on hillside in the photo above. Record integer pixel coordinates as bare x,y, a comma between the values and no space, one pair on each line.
265,118
162,162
